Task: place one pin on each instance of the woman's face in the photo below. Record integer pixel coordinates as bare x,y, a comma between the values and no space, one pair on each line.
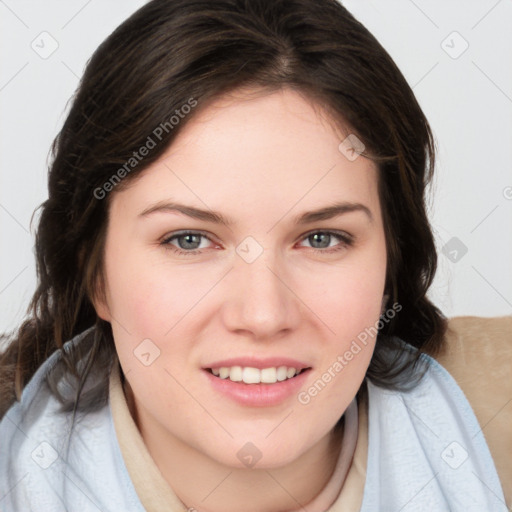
272,288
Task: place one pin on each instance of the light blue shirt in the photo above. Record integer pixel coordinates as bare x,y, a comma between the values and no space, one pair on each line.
426,452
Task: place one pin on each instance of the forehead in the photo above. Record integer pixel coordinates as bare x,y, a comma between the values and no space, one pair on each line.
254,149
258,123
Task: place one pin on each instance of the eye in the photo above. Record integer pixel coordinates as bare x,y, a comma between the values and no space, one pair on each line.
322,240
189,242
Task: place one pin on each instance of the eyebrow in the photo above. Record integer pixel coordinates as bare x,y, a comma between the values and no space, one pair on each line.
325,213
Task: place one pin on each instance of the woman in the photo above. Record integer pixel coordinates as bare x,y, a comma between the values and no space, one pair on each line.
191,347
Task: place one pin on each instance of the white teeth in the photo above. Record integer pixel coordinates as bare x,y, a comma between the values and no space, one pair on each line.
235,373
282,373
268,375
251,375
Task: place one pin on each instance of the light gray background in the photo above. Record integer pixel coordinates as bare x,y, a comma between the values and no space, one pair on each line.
467,96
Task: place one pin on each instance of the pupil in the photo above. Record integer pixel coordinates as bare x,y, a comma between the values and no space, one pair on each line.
187,238
326,235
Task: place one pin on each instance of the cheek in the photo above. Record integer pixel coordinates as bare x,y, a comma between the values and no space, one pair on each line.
149,297
357,304
350,299
350,306
349,303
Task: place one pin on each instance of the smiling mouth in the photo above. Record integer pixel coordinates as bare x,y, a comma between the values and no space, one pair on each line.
249,375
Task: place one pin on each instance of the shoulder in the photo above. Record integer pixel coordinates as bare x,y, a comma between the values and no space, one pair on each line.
428,431
478,355
28,431
48,459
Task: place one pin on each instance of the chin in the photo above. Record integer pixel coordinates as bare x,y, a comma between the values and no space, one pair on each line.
259,451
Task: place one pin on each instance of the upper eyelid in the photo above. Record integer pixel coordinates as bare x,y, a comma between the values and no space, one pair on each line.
338,232
176,234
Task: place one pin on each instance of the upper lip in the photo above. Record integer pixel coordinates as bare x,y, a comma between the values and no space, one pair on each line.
252,362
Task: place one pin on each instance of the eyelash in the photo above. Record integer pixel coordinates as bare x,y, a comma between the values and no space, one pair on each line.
346,239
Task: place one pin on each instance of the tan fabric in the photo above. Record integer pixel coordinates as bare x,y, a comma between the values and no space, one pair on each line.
155,493
478,355
151,487
350,498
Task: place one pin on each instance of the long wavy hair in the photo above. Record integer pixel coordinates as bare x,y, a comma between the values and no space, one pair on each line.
166,53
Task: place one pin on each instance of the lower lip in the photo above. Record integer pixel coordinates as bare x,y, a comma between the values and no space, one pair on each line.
258,395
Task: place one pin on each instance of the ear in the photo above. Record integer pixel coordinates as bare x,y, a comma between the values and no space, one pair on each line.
95,283
385,299
102,310
99,299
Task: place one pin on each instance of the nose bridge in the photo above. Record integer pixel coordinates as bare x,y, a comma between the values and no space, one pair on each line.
259,300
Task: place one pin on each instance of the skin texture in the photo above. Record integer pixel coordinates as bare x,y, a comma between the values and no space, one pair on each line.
261,160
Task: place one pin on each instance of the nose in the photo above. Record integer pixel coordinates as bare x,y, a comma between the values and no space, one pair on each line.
260,300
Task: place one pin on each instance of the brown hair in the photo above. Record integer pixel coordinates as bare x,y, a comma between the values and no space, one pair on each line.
166,53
